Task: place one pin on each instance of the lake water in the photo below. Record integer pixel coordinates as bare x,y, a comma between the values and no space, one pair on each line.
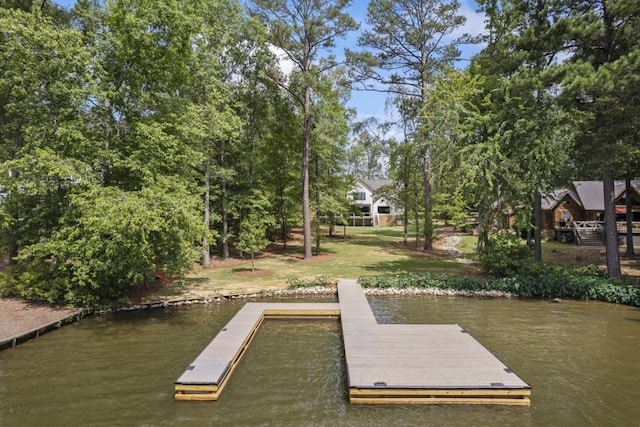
581,359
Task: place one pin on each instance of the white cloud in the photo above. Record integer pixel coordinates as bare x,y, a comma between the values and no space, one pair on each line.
286,65
474,25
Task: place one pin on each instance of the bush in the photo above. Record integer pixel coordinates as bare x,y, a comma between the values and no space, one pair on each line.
318,281
109,245
505,255
547,281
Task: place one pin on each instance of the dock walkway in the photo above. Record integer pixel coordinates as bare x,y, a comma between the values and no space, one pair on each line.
436,364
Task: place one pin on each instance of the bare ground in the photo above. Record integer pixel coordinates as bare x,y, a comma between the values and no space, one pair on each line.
18,317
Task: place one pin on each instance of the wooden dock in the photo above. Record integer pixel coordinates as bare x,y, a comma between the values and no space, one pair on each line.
406,364
206,377
437,364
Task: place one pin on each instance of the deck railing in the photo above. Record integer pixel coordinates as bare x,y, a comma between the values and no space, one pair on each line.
587,225
622,226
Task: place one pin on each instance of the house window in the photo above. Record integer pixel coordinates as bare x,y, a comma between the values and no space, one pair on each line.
359,196
384,210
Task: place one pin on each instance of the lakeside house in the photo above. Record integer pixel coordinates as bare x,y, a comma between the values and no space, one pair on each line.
374,208
576,212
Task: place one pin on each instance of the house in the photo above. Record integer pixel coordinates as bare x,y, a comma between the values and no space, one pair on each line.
581,206
374,209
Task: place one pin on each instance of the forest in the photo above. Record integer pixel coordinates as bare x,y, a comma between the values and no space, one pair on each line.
139,137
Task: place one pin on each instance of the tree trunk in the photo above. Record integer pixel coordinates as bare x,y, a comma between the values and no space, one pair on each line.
206,252
253,259
537,220
316,191
405,221
225,220
630,253
306,209
405,201
483,231
428,219
610,228
282,218
417,220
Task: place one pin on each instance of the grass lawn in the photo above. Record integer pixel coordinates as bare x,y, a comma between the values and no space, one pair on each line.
363,251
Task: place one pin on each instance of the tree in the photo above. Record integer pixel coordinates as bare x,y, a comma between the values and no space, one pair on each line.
110,244
369,150
302,29
460,117
44,82
94,143
252,236
411,42
522,59
601,81
329,132
280,140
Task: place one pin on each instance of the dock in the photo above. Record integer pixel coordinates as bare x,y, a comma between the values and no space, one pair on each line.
386,364
205,378
406,364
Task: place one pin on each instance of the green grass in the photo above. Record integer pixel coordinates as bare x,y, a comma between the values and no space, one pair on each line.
468,245
365,251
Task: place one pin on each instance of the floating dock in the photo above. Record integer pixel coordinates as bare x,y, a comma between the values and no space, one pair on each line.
405,364
386,364
206,377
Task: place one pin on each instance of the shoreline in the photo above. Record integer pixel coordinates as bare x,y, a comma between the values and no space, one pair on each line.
310,291
41,319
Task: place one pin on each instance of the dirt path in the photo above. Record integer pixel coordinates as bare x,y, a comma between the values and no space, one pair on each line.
450,244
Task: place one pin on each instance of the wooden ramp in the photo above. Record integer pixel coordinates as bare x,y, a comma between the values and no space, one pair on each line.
439,364
206,377
432,364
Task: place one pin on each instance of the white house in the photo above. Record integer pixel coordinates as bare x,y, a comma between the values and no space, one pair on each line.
374,209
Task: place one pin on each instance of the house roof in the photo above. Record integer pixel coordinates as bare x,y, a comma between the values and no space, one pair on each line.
375,184
589,194
552,200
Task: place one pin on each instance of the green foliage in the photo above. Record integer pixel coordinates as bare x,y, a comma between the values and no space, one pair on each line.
318,281
452,209
505,255
252,237
110,244
547,281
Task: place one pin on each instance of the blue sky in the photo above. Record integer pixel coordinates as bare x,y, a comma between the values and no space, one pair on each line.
368,104
372,104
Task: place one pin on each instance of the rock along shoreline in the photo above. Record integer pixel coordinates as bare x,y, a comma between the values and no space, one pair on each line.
311,291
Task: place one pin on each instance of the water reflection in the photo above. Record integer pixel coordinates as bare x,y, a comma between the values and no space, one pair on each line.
581,359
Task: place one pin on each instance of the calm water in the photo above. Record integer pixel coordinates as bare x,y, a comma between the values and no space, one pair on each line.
582,359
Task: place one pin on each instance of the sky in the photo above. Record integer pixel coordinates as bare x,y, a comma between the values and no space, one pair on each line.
372,104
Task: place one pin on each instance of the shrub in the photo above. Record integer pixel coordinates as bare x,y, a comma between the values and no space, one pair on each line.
318,281
545,281
505,255
109,245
